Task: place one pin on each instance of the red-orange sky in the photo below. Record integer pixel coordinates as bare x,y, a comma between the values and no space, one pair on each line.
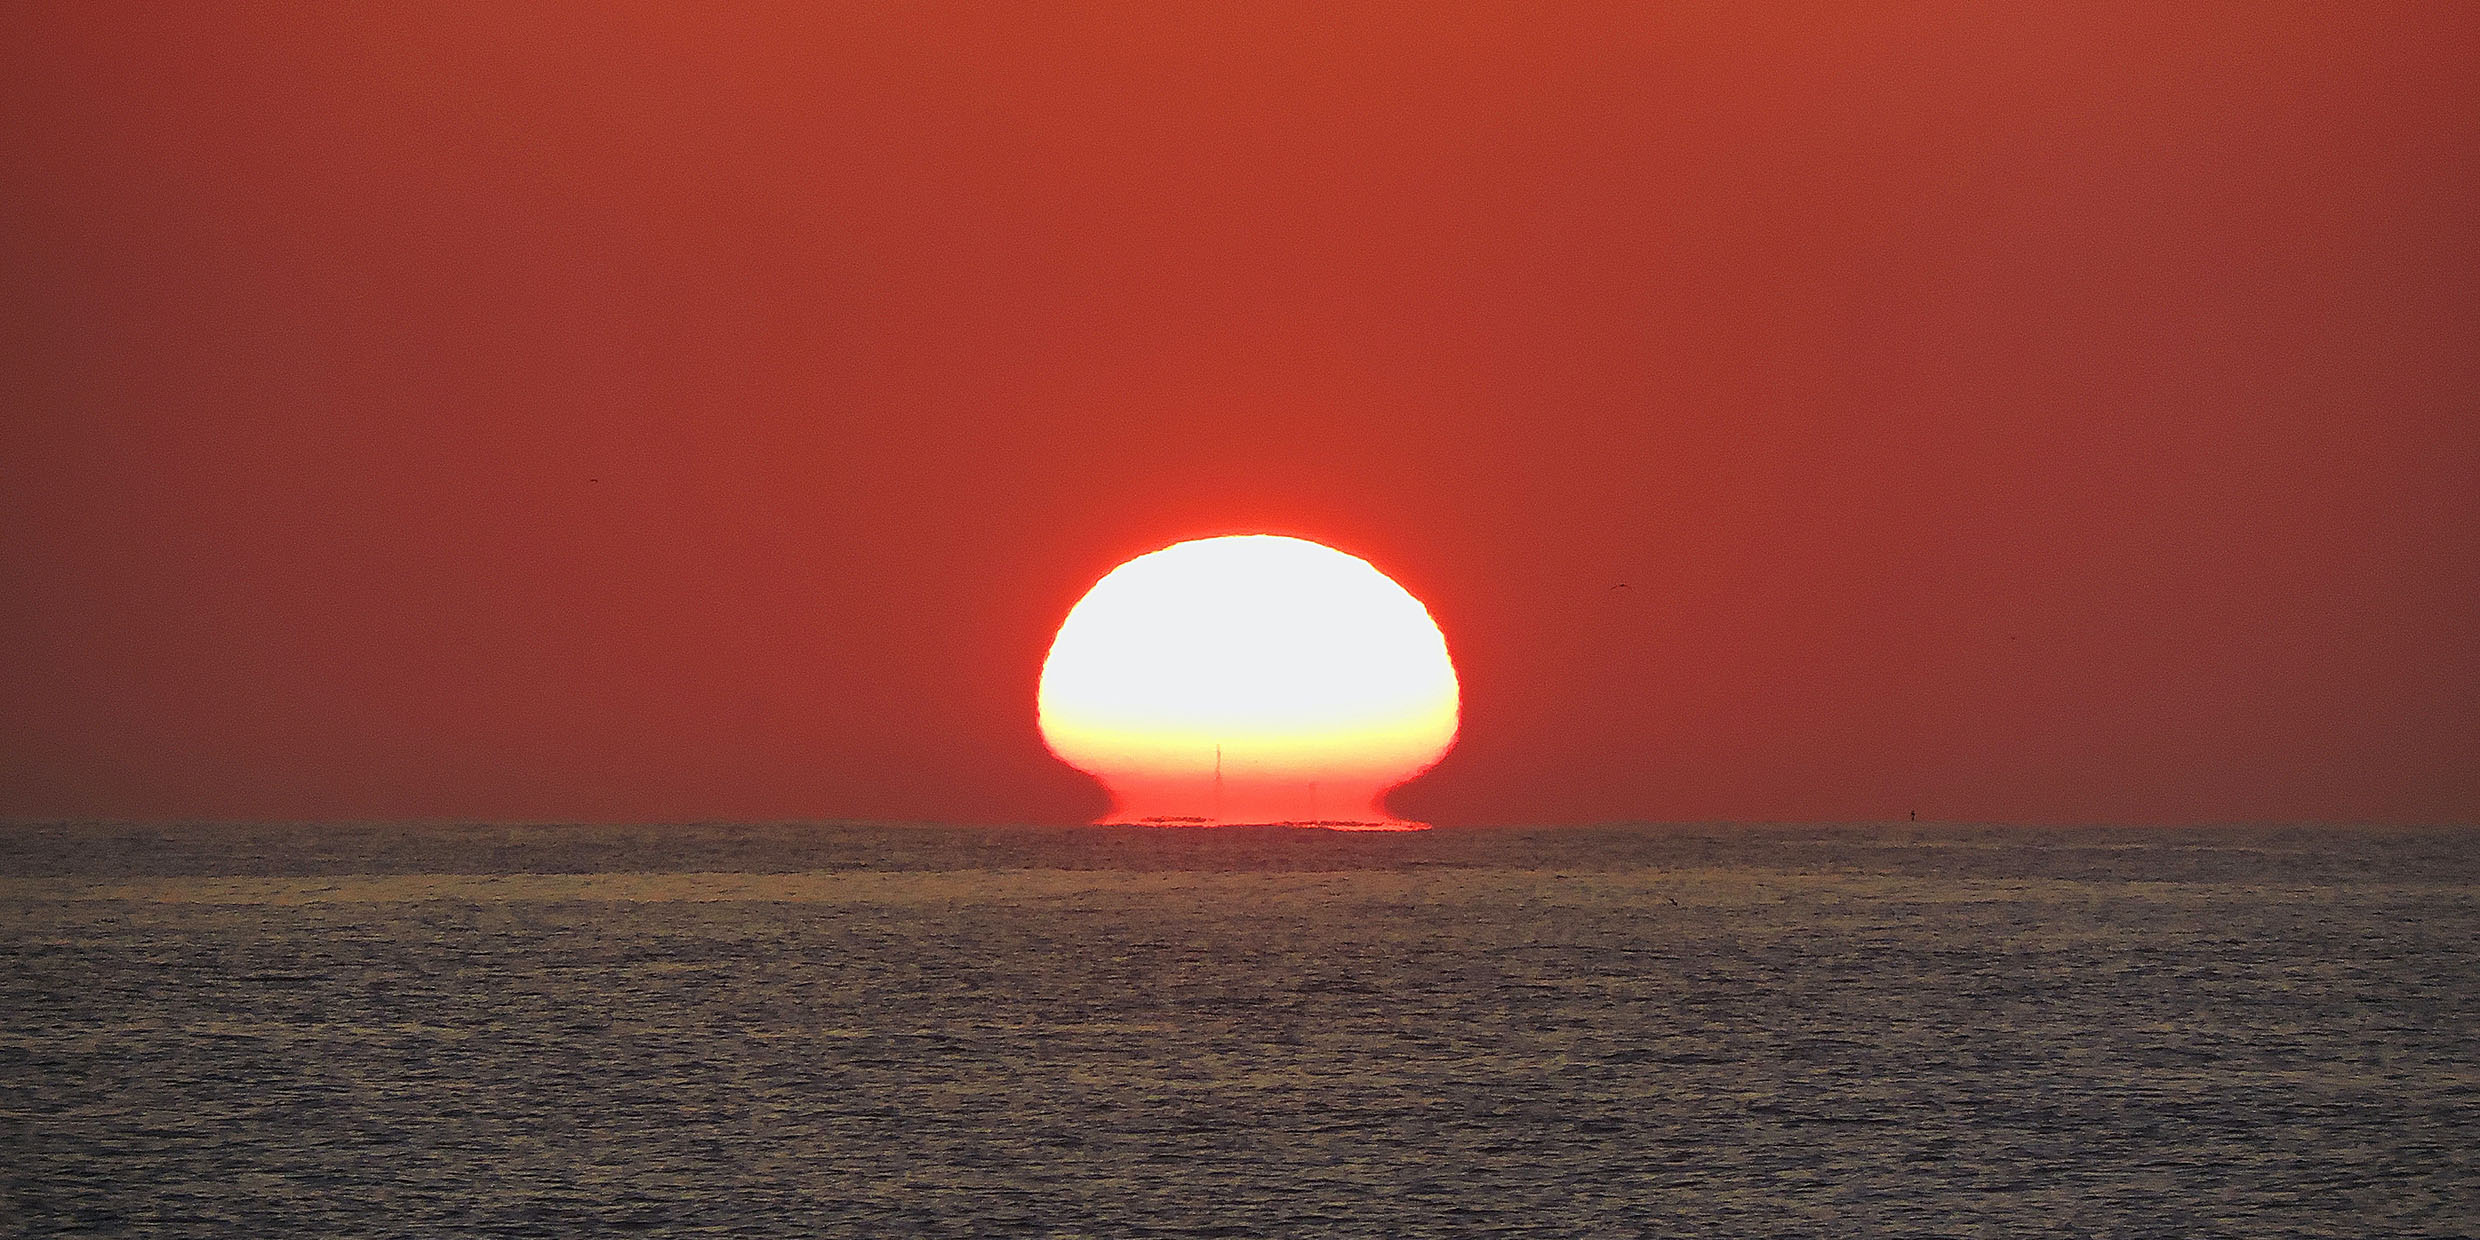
623,411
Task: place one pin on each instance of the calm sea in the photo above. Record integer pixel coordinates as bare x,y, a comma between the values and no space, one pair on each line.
899,1031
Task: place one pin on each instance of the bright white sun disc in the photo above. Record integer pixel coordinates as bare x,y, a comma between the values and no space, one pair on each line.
1250,678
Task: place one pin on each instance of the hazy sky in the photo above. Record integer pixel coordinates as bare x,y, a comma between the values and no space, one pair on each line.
2048,412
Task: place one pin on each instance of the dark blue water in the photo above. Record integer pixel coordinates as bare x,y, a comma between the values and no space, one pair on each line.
346,1031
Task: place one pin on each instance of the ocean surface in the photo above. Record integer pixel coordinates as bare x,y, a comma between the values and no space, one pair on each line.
943,1031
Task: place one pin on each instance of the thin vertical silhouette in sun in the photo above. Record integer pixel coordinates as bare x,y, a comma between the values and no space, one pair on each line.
1253,678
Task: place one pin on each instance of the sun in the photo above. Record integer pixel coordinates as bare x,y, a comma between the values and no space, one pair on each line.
1253,678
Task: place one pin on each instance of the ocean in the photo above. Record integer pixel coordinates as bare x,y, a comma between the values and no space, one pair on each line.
887,1030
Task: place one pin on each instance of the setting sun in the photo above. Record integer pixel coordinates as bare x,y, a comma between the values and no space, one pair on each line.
1249,679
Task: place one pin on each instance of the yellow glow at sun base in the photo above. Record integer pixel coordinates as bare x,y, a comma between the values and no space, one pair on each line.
1249,679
